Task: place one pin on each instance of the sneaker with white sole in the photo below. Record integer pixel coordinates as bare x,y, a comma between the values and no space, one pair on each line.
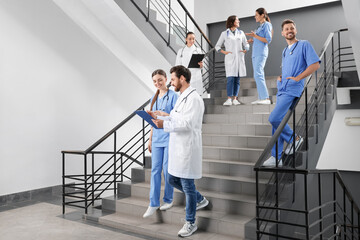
255,102
289,149
264,102
228,102
203,203
271,162
236,102
166,206
187,230
150,211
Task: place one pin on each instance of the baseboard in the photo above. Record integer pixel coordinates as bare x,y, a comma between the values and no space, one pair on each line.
31,195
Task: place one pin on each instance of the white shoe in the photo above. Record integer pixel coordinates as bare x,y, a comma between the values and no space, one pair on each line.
202,204
255,102
289,149
271,162
187,230
150,211
228,102
264,102
166,206
236,102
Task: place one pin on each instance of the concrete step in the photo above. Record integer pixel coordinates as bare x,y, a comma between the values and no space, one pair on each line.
170,222
242,92
235,141
225,202
237,128
232,153
245,118
248,108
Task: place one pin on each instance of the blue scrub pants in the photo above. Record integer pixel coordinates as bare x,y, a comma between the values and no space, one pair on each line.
159,162
192,196
233,86
259,76
283,103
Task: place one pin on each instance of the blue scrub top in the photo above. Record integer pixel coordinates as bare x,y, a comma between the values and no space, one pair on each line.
166,103
294,61
260,48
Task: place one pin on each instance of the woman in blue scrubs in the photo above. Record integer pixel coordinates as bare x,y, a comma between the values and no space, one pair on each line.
163,100
261,40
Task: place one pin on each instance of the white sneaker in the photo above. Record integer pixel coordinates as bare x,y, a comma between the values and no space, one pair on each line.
187,230
264,102
166,206
271,162
228,102
255,102
202,204
150,211
236,102
289,148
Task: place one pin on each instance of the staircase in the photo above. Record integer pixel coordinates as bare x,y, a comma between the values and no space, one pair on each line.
233,139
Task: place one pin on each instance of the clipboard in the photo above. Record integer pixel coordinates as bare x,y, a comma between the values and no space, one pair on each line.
195,58
143,114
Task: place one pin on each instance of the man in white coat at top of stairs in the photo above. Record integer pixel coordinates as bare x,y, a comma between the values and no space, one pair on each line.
185,144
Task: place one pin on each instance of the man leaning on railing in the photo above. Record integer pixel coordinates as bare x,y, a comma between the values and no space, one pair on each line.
299,60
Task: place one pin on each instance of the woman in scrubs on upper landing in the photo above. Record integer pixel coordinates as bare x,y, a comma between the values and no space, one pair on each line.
261,38
164,100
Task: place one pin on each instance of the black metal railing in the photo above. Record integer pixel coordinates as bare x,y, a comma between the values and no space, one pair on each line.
104,164
87,175
316,100
179,22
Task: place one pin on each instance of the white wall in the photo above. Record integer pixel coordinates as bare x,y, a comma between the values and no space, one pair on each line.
59,90
211,11
351,9
341,149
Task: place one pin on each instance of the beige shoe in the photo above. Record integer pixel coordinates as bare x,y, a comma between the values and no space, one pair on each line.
150,211
166,206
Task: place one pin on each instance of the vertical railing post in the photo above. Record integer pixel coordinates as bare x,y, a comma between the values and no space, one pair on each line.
143,139
122,168
339,51
344,210
320,203
85,183
294,137
148,11
333,66
115,163
325,77
334,198
169,23
186,25
306,207
257,206
352,219
92,179
277,201
306,126
63,183
316,106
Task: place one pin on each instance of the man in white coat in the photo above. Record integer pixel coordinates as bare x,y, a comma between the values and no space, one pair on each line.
185,144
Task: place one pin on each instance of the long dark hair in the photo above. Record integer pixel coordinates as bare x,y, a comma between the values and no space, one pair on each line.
230,21
262,11
162,73
187,34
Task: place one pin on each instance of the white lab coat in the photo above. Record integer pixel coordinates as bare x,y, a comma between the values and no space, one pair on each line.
183,58
235,61
185,143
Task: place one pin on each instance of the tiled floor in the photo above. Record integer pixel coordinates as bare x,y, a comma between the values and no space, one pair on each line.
43,220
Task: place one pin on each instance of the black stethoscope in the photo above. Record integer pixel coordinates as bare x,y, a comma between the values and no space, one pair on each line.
182,51
162,103
184,100
292,51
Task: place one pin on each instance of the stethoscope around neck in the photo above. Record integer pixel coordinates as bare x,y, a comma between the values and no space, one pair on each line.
167,100
182,51
292,51
184,100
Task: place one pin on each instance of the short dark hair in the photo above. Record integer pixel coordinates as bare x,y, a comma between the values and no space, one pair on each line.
287,21
230,21
180,70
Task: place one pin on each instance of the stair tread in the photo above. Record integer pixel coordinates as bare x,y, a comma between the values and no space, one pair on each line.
235,178
207,193
157,229
229,162
234,148
234,135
